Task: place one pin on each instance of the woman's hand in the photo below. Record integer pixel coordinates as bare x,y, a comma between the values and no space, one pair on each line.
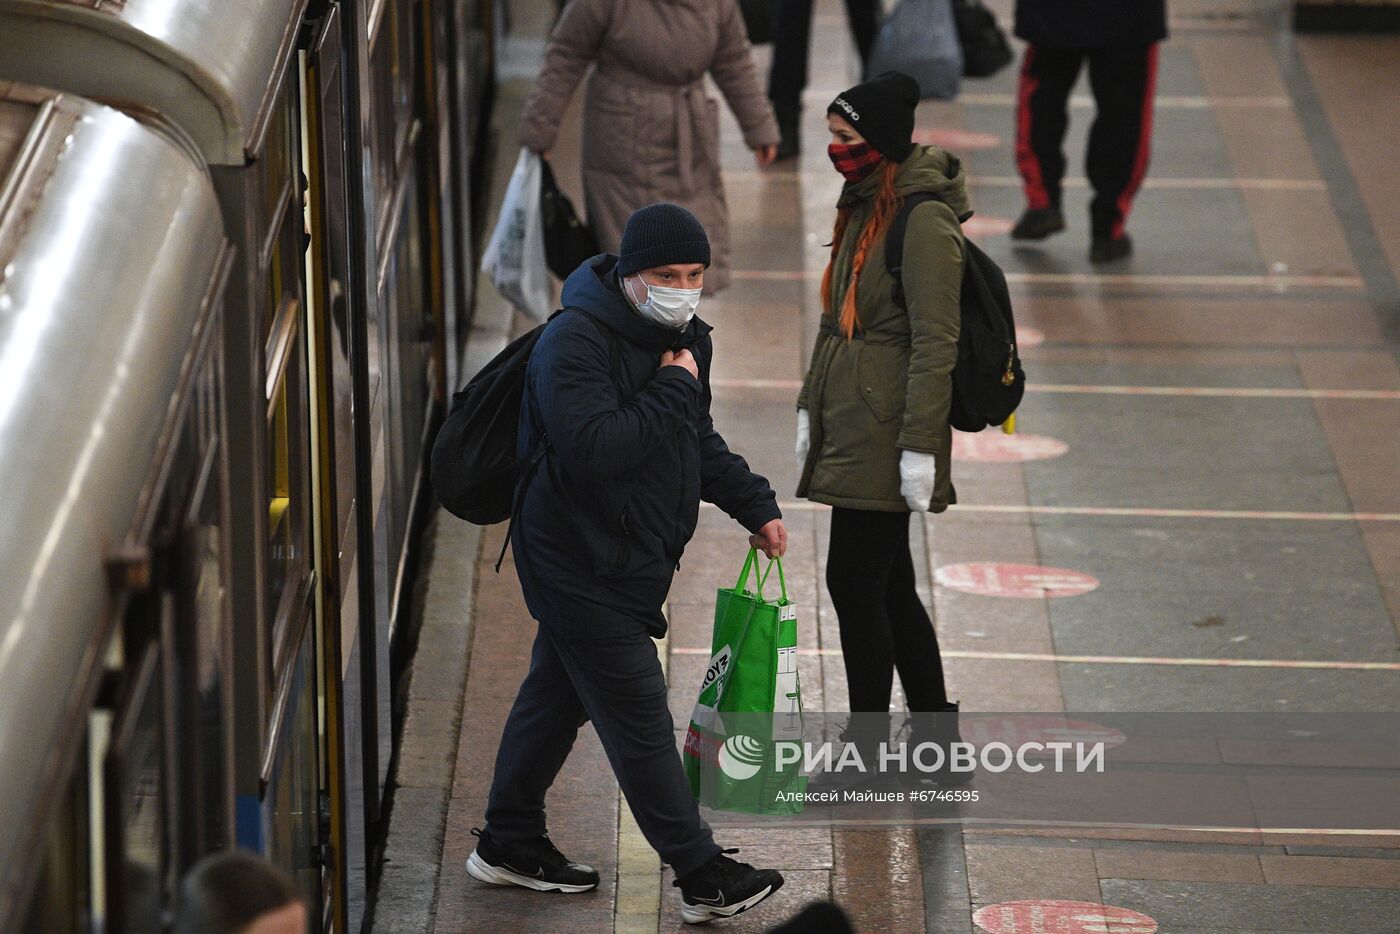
917,475
771,539
804,438
765,155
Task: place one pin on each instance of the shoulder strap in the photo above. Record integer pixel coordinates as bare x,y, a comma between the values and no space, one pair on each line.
541,449
614,356
894,240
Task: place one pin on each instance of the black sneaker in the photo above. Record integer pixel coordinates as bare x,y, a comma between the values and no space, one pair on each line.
535,864
1038,223
1107,249
723,888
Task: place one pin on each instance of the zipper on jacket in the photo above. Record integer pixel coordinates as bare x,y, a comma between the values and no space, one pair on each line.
1009,376
680,504
625,551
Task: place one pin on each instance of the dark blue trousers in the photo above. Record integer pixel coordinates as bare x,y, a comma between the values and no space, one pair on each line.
792,40
609,675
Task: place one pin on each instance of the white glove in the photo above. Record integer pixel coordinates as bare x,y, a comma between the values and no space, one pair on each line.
917,473
804,437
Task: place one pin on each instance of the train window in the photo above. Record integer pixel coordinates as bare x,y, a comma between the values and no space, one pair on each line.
135,804
287,468
293,786
279,169
202,636
383,152
412,315
405,30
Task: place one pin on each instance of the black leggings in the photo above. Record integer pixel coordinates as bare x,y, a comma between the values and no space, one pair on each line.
870,576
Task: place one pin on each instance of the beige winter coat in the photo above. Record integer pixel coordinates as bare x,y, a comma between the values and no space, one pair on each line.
650,132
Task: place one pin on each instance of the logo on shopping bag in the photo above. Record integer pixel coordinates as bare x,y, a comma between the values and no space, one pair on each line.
714,677
741,757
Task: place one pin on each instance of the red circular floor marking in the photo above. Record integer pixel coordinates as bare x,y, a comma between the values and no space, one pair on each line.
1017,730
1051,916
993,447
957,139
979,226
1024,581
1029,337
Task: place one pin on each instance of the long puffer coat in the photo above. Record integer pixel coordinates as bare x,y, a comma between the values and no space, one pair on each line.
650,132
889,389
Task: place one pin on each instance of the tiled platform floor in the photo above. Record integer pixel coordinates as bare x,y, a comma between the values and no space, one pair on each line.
1241,368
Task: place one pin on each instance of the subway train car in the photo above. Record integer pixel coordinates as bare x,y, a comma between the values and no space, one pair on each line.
235,273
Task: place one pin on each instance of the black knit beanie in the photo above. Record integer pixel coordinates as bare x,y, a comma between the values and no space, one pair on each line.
882,111
661,234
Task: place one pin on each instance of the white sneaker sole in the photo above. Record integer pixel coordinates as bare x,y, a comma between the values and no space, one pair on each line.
482,871
699,914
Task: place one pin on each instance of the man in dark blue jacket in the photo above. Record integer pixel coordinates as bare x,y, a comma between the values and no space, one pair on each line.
619,388
1119,39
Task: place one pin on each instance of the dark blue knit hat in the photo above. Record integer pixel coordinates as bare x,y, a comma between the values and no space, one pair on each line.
661,234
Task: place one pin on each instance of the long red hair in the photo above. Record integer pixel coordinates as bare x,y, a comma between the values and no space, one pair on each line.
886,207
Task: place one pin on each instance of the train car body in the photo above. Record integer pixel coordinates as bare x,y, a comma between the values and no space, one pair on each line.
334,135
115,265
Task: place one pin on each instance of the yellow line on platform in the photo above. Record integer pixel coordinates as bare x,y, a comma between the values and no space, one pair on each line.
1281,663
637,909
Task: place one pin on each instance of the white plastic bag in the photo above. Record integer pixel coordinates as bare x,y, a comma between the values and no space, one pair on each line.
920,39
514,258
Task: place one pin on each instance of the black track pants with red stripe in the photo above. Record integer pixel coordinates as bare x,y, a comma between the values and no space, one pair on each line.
1123,79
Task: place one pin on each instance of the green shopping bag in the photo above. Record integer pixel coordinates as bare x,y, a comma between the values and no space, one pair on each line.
750,704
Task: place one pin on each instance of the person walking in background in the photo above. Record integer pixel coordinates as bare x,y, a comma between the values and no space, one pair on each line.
236,892
617,390
792,41
650,133
1120,41
873,436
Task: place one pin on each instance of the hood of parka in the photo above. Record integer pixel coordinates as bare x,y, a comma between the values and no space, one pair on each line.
929,169
592,288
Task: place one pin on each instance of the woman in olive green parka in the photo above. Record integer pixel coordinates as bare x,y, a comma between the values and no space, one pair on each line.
873,433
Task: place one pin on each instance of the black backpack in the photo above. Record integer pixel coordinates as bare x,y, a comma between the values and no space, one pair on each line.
473,468
984,46
988,380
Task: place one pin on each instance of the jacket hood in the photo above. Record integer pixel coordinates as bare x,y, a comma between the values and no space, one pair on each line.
592,289
929,169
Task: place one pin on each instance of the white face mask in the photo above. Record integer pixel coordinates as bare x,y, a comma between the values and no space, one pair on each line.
670,307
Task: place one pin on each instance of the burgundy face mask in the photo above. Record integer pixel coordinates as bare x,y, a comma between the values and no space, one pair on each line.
854,161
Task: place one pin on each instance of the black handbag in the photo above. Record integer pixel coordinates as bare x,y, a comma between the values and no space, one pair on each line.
758,20
984,45
568,241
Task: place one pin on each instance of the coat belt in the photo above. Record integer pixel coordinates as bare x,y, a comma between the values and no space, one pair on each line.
689,104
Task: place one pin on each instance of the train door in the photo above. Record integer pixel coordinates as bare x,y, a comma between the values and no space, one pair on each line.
286,823
338,351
